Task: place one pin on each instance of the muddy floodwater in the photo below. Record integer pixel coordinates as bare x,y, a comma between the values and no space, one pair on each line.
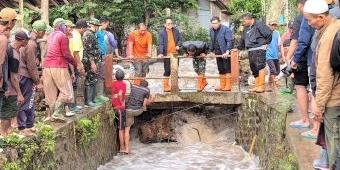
199,147
216,155
201,144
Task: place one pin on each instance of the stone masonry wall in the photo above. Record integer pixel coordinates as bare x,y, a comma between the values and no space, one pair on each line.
100,150
265,116
69,153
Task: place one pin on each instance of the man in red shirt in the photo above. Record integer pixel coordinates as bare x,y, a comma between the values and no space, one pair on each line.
56,77
118,89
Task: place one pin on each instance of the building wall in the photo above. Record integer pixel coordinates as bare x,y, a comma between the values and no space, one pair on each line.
207,10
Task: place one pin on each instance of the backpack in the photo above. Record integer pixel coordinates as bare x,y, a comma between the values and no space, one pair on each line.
335,53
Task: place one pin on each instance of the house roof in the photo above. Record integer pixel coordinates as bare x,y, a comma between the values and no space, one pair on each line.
33,4
222,4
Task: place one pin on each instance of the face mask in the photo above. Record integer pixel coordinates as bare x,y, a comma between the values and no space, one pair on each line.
63,28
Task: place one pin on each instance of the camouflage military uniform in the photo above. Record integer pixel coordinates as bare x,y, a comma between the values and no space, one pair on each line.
199,65
91,53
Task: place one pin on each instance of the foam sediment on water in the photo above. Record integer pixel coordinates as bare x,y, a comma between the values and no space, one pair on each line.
198,147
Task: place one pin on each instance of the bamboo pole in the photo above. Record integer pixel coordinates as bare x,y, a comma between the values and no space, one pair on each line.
44,16
252,145
21,12
152,58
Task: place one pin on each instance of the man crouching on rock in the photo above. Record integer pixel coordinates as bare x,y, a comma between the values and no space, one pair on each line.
139,98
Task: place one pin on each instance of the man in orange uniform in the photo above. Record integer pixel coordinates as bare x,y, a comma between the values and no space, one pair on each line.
139,48
169,40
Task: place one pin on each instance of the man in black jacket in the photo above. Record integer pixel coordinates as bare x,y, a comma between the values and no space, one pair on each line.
198,50
255,38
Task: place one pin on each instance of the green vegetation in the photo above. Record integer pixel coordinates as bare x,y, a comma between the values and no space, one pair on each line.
125,13
87,130
30,153
112,116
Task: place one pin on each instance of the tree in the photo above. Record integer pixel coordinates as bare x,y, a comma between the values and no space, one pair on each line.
122,13
252,6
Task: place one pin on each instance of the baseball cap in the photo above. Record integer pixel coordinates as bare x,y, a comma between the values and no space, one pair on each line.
58,21
69,23
39,25
94,21
49,29
330,1
21,35
82,24
8,14
315,7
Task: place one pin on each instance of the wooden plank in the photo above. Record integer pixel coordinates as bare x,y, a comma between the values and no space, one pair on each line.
44,16
108,71
29,6
21,12
235,68
174,73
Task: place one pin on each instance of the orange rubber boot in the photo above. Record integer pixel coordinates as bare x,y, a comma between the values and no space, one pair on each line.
256,85
166,86
222,83
261,85
228,84
199,82
204,83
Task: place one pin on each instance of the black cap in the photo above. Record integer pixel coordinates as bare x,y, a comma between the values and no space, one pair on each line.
21,35
104,19
81,24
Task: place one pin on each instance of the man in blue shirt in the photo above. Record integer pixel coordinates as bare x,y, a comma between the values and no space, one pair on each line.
101,72
300,62
272,56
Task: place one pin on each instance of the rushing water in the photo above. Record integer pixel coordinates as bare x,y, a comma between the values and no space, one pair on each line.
200,145
162,156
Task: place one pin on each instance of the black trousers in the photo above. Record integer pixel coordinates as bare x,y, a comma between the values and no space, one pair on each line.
223,65
257,61
167,67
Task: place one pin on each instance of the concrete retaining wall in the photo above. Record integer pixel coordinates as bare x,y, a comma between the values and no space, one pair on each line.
68,153
264,116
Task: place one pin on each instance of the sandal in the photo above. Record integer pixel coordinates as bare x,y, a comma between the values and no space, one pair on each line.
298,125
309,135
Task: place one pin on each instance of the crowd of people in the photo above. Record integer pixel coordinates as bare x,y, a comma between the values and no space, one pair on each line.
310,50
77,49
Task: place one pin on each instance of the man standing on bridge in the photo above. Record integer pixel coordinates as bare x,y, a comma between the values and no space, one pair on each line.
221,42
198,50
139,48
169,40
